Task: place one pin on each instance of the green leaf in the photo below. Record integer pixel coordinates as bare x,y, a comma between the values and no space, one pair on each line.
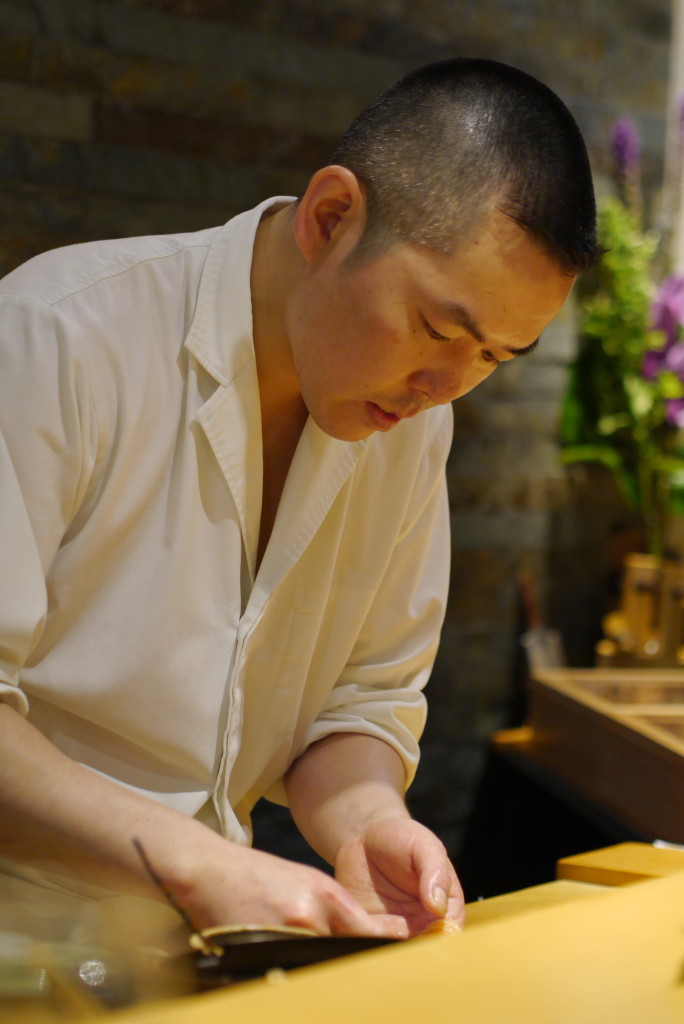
669,385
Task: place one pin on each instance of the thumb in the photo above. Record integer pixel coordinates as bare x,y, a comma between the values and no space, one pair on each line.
440,892
434,892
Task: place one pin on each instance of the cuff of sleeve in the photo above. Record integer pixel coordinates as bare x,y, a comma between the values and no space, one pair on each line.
276,794
11,694
407,748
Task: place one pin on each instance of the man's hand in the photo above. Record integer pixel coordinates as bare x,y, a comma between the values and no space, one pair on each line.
234,885
347,797
399,871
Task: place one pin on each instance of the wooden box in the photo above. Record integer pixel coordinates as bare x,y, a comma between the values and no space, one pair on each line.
617,736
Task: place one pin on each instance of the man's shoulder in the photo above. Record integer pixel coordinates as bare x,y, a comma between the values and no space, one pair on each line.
59,273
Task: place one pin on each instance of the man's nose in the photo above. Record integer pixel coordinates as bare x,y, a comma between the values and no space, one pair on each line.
441,386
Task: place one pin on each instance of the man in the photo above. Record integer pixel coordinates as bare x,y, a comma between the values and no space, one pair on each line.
224,517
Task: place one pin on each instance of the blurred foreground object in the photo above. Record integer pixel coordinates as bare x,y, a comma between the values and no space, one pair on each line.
67,957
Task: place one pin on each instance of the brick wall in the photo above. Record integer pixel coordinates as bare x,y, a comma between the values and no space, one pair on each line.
123,117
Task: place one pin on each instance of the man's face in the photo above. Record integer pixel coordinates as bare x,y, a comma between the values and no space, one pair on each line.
382,340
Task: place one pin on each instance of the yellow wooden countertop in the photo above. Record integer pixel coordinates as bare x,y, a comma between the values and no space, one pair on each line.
615,954
622,864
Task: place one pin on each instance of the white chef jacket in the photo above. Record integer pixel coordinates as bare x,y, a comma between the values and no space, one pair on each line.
134,631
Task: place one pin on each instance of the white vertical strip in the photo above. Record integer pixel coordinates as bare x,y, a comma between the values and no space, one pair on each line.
674,184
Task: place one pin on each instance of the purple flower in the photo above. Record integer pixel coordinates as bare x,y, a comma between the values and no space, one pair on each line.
653,363
667,315
667,311
674,412
674,359
625,146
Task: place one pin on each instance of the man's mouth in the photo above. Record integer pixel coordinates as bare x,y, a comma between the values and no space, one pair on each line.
381,418
385,419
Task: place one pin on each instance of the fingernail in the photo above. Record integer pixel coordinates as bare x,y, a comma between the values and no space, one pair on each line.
440,900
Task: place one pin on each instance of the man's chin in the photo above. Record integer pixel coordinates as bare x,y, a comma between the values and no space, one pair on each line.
348,435
342,431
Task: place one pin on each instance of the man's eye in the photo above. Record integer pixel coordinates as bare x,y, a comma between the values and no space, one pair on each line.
489,357
432,332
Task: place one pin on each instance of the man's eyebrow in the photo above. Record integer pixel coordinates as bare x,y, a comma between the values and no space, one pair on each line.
460,316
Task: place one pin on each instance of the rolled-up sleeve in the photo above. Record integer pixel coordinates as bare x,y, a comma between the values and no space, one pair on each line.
379,692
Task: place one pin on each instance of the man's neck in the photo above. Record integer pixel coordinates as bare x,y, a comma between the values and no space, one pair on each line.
275,264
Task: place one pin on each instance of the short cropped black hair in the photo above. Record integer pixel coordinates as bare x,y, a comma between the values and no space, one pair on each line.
452,141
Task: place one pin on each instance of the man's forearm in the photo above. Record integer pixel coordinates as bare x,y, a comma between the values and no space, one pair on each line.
341,785
54,810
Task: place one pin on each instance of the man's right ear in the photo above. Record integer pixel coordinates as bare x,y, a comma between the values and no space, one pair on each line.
331,212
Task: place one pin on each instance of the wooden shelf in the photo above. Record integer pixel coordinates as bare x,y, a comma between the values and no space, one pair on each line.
617,735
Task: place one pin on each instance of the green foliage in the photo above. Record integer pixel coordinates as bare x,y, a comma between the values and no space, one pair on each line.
612,414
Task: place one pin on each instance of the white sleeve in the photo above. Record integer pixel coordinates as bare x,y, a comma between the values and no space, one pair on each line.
380,690
45,412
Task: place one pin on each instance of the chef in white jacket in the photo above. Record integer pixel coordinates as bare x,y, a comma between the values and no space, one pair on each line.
223,516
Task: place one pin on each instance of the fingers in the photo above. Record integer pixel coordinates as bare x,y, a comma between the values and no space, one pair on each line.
332,910
262,889
317,902
347,917
393,926
413,871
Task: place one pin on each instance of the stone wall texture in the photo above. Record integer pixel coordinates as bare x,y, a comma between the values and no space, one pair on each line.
122,117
